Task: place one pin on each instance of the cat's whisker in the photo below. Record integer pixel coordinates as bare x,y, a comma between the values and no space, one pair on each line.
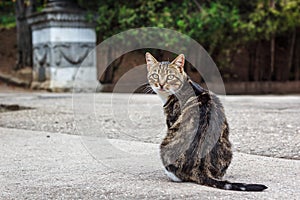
147,89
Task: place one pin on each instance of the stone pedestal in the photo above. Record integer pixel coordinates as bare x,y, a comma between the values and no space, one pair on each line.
62,43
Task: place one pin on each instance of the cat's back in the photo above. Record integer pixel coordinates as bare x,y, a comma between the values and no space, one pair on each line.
209,99
194,102
191,115
197,132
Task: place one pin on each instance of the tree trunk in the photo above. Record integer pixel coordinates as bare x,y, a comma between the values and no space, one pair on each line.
24,44
257,62
297,59
272,49
291,53
251,49
109,73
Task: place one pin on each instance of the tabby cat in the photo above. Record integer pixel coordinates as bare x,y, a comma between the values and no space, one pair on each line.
196,147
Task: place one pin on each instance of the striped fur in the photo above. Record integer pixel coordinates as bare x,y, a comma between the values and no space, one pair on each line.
196,147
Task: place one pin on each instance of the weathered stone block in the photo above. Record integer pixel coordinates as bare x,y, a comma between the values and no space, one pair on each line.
62,41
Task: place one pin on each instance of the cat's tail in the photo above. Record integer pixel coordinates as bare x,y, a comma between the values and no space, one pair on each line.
226,185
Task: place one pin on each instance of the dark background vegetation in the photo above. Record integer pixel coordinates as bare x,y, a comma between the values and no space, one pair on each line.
252,41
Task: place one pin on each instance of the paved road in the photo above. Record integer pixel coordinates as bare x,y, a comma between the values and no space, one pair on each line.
105,146
261,125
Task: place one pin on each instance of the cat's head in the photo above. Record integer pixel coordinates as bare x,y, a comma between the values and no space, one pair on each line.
166,77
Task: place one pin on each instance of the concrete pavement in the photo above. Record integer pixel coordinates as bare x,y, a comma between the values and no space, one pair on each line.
66,148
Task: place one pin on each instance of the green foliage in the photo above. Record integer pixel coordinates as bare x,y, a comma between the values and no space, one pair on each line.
219,22
214,26
221,26
7,19
266,20
114,17
7,11
217,25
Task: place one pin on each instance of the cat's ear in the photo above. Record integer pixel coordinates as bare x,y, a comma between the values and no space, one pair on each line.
150,60
179,61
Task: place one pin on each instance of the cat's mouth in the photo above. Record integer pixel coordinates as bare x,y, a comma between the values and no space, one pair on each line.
161,90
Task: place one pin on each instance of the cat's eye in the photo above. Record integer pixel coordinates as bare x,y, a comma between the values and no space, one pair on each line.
155,76
170,77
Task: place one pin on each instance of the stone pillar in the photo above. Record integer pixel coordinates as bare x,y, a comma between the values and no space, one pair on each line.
62,39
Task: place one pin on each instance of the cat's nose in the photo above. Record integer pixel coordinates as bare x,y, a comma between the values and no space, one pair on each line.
161,86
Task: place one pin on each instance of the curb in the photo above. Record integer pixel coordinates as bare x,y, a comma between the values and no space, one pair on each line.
9,79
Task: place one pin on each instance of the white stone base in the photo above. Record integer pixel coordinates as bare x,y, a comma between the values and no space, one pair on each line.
60,34
62,51
84,78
